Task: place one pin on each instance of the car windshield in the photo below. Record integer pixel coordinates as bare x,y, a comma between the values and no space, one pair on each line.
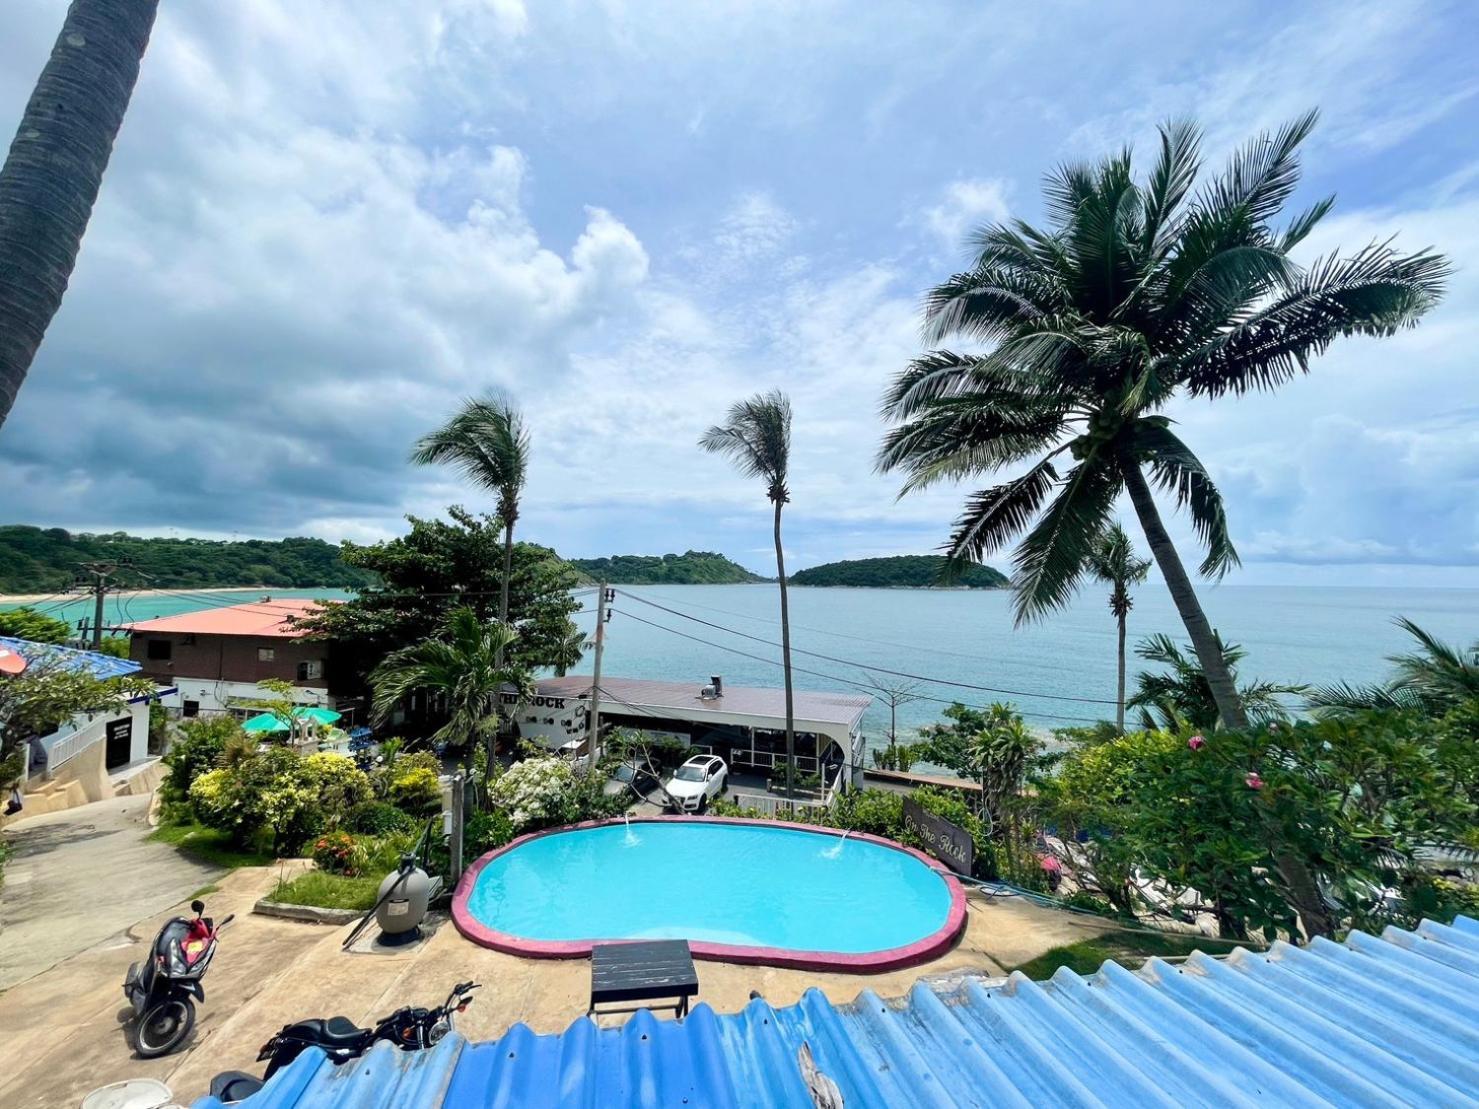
690,773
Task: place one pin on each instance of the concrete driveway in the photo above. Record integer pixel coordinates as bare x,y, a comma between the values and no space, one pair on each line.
76,878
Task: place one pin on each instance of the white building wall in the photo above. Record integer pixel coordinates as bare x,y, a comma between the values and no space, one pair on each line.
213,696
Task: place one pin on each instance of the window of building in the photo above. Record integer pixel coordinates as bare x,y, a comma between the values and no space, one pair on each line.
160,649
310,671
266,654
190,708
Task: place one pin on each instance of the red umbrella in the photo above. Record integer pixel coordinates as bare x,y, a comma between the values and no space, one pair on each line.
10,662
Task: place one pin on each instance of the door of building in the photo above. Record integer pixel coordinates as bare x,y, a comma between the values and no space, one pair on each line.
120,738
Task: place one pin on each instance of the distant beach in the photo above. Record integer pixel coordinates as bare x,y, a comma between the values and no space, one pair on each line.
33,598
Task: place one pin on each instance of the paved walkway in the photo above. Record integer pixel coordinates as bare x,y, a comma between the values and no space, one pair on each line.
78,877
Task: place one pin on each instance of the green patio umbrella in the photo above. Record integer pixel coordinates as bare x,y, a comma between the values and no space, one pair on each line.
265,722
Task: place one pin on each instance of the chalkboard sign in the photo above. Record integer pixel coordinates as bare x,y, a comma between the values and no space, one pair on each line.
951,844
119,737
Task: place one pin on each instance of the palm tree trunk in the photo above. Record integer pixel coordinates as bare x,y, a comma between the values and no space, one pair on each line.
1203,640
1119,720
780,568
52,174
508,563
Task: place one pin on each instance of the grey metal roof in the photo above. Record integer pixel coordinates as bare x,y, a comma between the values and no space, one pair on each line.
682,699
1374,1021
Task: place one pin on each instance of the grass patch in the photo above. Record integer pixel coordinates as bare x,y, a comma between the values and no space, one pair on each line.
205,891
209,845
329,891
1131,948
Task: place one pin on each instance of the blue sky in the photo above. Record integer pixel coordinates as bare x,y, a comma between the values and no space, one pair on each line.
327,222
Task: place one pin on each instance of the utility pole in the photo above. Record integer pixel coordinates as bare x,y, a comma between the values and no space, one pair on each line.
101,572
593,721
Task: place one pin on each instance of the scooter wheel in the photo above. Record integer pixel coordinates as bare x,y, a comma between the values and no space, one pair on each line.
164,1028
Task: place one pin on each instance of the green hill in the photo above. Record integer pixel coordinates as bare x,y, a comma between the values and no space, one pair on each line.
37,560
689,568
897,572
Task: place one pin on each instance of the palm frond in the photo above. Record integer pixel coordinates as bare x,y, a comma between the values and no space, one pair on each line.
756,437
1178,471
1261,176
487,441
1052,556
994,517
1170,180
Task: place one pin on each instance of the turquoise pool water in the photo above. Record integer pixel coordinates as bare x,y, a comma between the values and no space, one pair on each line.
737,884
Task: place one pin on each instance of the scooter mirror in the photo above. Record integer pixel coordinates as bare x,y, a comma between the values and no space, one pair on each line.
197,907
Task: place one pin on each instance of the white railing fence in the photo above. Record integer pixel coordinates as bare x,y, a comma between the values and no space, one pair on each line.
70,741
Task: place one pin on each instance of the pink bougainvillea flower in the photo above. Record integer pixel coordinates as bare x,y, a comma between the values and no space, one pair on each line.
1253,780
1196,743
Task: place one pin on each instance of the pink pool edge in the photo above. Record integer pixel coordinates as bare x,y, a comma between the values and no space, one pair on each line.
869,962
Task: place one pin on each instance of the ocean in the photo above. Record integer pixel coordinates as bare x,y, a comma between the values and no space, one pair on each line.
1057,672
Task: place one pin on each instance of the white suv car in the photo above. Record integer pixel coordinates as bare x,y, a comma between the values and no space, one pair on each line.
697,782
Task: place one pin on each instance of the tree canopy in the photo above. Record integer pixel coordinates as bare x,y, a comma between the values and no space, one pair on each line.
689,568
899,572
438,566
40,560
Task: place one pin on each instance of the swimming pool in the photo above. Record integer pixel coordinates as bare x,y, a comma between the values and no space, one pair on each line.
745,891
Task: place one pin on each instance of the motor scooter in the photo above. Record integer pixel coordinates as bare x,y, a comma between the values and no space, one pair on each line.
161,988
410,1028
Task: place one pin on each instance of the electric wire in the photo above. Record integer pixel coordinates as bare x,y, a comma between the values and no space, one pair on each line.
873,668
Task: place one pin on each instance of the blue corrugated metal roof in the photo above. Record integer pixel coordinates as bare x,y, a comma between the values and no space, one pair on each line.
95,663
1373,1021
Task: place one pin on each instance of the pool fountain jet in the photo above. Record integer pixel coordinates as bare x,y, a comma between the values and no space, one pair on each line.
836,849
630,839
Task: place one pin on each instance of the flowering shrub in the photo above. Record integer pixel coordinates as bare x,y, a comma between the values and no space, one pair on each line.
534,792
417,791
336,853
277,789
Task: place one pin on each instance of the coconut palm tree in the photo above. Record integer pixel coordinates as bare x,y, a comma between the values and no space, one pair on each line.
757,439
1113,561
54,170
464,668
1431,680
1182,696
486,440
1135,293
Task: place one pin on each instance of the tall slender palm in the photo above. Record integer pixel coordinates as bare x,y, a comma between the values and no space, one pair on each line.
54,170
756,437
1113,561
1135,293
486,440
1432,679
464,668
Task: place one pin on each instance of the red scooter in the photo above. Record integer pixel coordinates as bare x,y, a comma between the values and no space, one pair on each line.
161,987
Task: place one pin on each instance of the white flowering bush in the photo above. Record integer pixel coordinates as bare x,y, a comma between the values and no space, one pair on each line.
534,792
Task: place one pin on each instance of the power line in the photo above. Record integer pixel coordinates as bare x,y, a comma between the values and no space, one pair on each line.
876,669
860,686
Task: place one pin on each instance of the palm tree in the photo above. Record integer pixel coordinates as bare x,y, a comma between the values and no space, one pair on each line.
568,652
464,668
1134,293
54,170
486,440
1183,697
1431,680
757,439
1113,561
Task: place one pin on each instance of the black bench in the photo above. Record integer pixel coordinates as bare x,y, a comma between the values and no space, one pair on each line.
643,971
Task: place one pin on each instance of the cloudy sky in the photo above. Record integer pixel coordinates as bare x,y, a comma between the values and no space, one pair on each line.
326,222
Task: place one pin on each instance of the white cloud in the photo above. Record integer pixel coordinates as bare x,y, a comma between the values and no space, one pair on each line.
965,206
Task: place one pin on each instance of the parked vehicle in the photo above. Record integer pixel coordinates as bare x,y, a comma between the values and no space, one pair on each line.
697,782
161,987
411,1029
636,774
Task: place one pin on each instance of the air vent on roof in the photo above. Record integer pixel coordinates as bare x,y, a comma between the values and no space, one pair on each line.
714,690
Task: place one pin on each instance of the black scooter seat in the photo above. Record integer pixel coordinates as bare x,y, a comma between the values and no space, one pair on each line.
334,1032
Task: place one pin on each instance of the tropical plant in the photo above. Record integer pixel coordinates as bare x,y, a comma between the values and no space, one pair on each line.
1182,697
1432,680
1113,561
51,177
27,623
199,746
991,747
532,792
1136,293
486,440
278,791
464,668
756,437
